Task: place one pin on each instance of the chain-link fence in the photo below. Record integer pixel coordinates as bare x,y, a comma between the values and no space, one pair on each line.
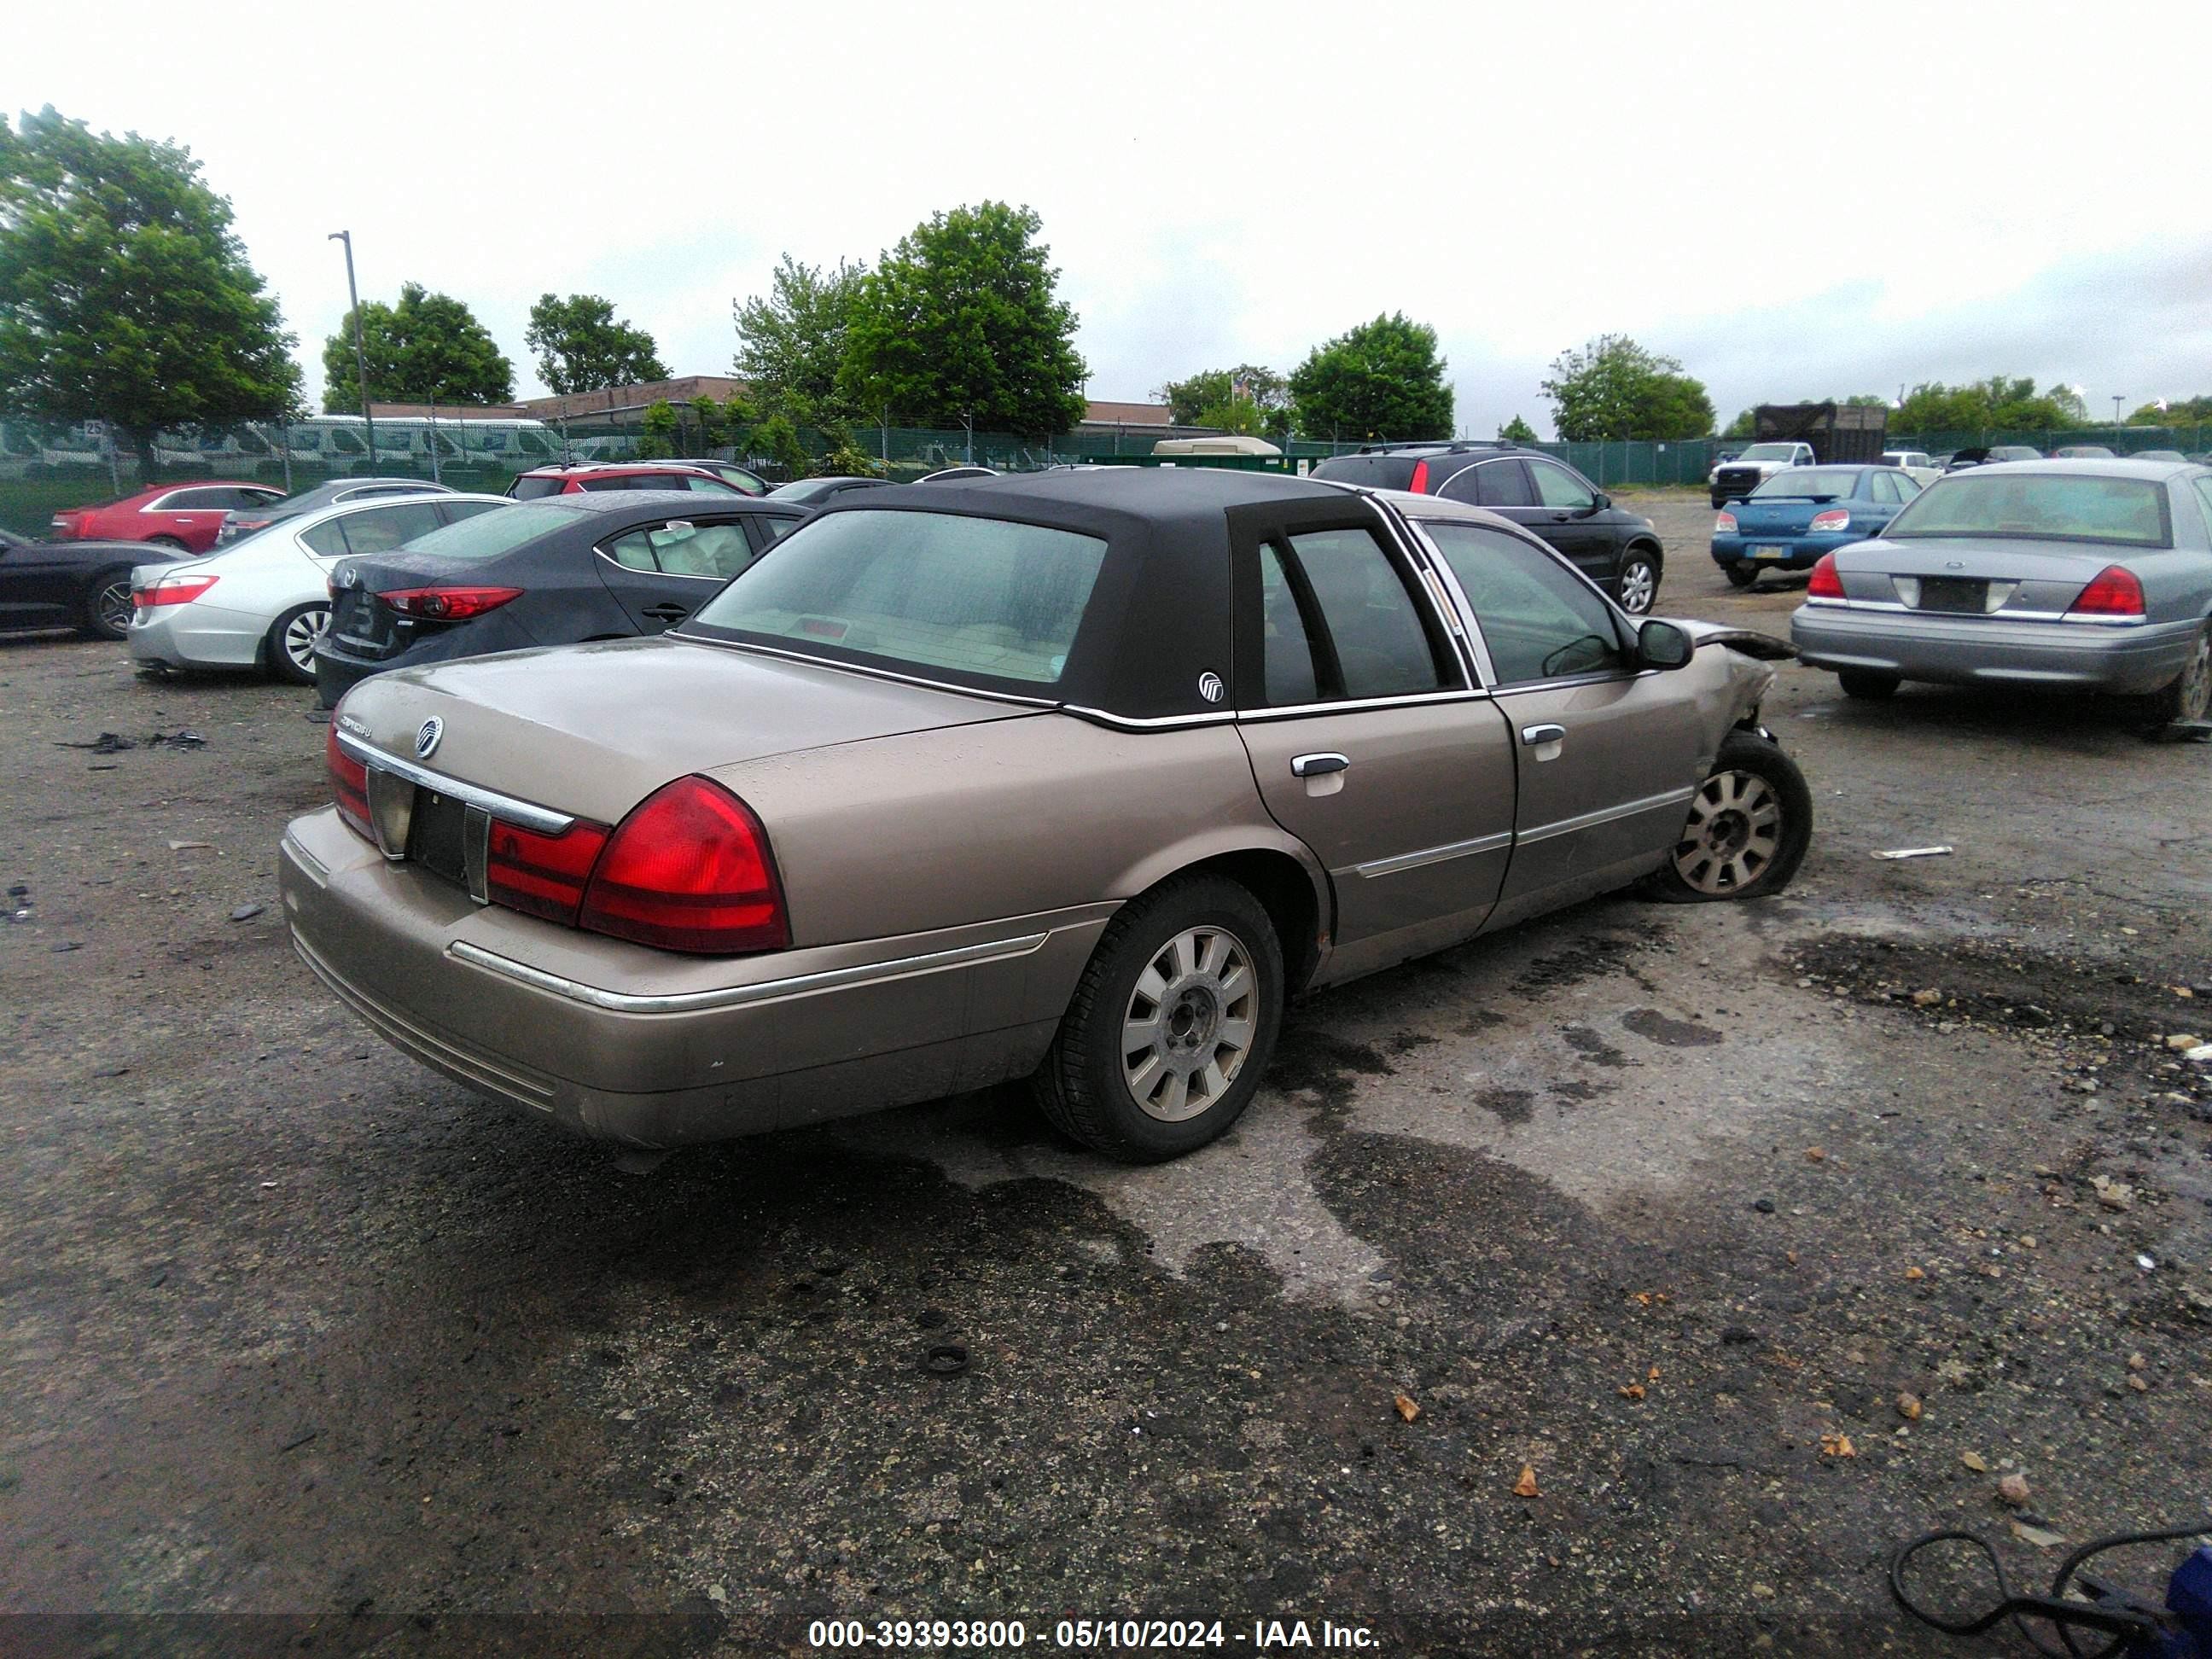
47,466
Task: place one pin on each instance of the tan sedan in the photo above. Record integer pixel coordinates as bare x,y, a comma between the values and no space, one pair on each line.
1076,777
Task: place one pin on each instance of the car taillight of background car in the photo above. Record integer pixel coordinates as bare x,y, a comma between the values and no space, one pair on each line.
1833,519
173,590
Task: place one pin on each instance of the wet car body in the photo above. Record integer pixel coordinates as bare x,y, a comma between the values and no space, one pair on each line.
1300,777
2073,575
586,565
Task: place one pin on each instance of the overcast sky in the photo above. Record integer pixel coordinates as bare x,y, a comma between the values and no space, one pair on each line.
1792,206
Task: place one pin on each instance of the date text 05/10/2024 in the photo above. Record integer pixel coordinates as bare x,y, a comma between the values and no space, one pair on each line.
1257,1635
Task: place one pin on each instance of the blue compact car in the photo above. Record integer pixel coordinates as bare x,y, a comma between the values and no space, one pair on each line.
1795,516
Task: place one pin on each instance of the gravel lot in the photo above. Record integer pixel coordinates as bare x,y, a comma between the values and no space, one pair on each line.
1668,1205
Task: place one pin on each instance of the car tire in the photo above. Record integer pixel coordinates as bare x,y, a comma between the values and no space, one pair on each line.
2190,695
167,541
107,605
289,649
1867,686
1718,502
1742,573
1638,584
1197,959
1746,831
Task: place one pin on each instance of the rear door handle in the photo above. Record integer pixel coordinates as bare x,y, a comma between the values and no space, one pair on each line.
1315,766
667,613
1536,736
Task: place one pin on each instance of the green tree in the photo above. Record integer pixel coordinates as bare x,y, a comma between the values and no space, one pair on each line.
1614,388
962,319
1517,431
428,344
580,346
2178,411
713,422
658,430
2002,402
841,457
1745,423
1380,379
776,441
1213,388
1242,417
125,294
791,340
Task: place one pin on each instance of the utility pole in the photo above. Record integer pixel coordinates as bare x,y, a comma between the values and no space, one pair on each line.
2117,397
436,476
360,351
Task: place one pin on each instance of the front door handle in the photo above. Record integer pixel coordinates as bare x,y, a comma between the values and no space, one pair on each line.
1536,736
667,613
1316,766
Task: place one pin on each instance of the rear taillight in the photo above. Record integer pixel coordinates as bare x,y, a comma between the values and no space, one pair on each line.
349,785
542,875
1836,519
173,590
1825,583
2113,592
1725,524
448,604
688,869
1420,484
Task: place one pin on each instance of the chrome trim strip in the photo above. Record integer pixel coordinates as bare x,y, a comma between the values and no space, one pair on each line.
1144,723
1354,705
1607,815
738,996
1458,849
542,819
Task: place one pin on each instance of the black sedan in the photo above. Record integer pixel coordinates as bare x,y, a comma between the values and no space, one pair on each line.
81,585
816,492
592,565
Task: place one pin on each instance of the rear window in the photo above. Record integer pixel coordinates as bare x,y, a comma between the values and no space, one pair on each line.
499,531
2040,507
1809,481
529,489
1376,471
1770,453
921,590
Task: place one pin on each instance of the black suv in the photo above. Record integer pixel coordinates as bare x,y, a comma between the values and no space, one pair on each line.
1614,548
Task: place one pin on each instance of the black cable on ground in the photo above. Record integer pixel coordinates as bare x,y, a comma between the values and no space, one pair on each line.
2121,1619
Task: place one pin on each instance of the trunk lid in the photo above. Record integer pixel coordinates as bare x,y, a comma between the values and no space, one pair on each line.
1778,515
1972,575
593,729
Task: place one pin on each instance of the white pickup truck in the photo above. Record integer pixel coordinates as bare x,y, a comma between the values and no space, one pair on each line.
1914,461
1733,480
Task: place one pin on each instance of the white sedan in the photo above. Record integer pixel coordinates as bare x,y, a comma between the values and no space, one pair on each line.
264,600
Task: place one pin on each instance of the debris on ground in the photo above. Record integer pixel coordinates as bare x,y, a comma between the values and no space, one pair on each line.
188,846
1406,1408
1909,1406
1838,1445
1975,1461
247,912
107,742
1526,1486
1916,853
183,739
2013,1488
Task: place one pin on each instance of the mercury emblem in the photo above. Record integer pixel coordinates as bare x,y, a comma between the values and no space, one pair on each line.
1210,686
425,740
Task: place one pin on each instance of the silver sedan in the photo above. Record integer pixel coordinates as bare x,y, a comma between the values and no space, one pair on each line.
2067,575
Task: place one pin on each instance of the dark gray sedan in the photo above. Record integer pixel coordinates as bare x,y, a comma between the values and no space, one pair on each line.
2068,576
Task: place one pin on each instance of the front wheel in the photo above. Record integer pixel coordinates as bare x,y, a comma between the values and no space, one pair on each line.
1640,583
2189,694
107,606
1743,574
292,637
1747,830
1171,1025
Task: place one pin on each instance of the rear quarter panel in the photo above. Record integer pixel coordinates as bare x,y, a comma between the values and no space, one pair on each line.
955,826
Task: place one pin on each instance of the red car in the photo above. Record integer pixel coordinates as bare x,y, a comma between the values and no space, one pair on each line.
176,515
626,474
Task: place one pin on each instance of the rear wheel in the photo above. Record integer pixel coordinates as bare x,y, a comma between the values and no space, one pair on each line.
107,605
1171,1026
1740,574
2190,694
1867,686
167,541
1639,582
292,637
1746,832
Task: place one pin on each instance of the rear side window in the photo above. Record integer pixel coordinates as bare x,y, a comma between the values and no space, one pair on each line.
378,530
1539,621
1376,472
719,551
1351,628
929,590
529,489
1494,484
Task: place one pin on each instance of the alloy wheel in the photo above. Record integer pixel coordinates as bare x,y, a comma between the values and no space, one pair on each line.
1190,1024
110,607
1734,829
1639,587
301,635
2193,694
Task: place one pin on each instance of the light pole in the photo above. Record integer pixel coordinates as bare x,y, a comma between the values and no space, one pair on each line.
360,351
2117,399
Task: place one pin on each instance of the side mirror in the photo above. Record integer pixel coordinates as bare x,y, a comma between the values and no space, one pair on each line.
1664,645
1604,500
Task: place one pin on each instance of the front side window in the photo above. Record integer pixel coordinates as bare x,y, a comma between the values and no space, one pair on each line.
2040,507
1361,632
1539,620
1557,487
925,591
